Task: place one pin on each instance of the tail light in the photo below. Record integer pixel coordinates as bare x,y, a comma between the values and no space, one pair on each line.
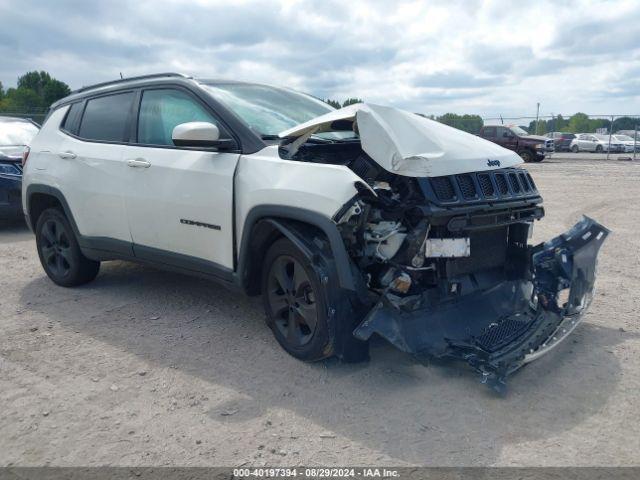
25,156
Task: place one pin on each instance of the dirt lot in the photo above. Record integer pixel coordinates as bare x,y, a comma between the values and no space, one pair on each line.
144,367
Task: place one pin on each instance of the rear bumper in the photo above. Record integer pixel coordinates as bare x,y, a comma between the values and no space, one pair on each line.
499,329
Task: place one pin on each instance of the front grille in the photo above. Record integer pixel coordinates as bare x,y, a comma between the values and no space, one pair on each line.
443,188
501,180
513,181
467,187
485,185
491,186
498,334
531,182
524,182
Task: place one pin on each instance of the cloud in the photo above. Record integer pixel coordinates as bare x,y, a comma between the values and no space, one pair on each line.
491,58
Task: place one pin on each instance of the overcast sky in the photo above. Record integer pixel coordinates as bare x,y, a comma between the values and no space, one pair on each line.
490,58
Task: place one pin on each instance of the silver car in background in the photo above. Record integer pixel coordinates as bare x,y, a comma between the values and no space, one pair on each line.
591,142
627,142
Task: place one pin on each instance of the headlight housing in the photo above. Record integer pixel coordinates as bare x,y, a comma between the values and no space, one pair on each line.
9,169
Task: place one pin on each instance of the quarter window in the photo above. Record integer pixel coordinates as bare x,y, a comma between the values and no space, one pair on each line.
162,110
105,118
73,115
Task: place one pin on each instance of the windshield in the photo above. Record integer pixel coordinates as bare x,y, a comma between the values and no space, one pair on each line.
623,138
16,132
270,110
519,131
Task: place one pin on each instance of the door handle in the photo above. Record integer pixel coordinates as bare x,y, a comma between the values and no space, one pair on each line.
68,155
138,163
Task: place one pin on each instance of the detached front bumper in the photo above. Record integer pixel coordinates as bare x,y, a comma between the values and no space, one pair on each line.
499,329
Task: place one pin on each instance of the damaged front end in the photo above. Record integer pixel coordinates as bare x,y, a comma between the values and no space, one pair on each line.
499,328
438,235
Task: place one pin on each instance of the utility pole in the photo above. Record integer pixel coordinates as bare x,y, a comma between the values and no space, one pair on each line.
635,141
610,133
537,116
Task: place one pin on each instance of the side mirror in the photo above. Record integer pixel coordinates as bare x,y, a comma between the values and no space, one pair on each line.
199,134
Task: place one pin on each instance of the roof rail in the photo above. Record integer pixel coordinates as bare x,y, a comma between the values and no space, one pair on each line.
129,79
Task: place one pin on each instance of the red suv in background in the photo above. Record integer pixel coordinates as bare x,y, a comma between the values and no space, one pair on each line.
532,148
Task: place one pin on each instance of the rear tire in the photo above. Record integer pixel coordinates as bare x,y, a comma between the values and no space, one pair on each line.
575,149
59,252
294,302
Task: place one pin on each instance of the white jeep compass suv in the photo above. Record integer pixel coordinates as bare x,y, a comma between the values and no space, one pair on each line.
352,222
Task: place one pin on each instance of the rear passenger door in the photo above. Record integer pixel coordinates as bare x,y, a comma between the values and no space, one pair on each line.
92,172
179,201
506,138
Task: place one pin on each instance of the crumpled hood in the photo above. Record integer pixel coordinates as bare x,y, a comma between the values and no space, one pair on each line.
407,144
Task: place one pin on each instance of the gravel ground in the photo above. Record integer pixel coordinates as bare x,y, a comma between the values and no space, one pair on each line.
143,367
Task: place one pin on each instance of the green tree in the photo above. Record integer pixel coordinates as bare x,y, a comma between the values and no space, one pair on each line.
537,128
466,122
333,103
579,122
1,92
625,123
22,100
351,101
35,92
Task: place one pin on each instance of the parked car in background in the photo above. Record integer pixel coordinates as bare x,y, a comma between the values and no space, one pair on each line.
613,145
15,135
561,140
630,133
531,148
628,143
591,142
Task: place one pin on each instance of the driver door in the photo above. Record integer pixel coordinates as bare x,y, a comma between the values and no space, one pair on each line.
179,201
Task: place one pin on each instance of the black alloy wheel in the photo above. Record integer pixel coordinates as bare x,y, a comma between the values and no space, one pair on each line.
56,249
292,301
59,251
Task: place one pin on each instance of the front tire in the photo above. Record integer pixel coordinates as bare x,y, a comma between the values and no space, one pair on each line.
294,302
599,149
526,155
59,252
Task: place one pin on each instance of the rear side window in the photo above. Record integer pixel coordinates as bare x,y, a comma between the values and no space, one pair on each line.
72,119
162,110
489,131
106,118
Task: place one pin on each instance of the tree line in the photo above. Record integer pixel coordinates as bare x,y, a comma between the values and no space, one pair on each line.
36,91
576,123
34,94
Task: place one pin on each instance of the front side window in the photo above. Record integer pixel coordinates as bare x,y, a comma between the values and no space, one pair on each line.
162,110
519,131
105,118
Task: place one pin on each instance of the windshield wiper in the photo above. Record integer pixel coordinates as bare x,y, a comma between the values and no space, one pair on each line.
269,137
